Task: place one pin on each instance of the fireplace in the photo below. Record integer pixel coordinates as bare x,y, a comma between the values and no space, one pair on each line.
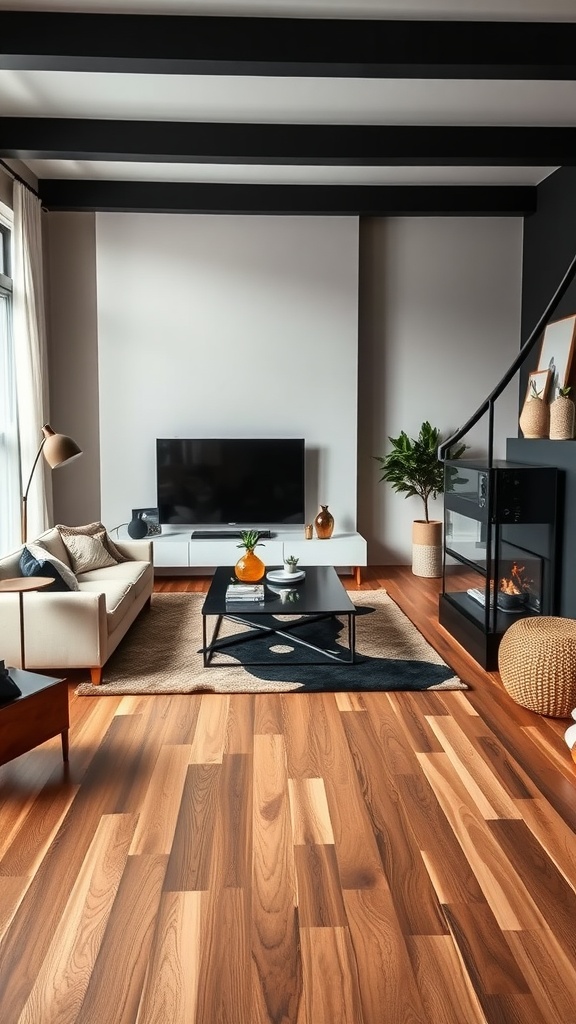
499,551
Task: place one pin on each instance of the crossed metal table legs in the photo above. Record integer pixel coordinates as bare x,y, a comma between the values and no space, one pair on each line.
286,630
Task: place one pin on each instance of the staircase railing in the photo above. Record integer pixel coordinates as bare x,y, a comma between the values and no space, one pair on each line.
488,403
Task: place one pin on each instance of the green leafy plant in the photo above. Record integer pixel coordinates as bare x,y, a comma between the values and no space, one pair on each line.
413,468
291,560
564,392
249,540
534,393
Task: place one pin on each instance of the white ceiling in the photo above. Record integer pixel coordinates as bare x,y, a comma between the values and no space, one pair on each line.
297,100
474,10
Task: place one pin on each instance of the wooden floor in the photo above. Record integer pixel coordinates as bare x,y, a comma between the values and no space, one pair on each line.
317,859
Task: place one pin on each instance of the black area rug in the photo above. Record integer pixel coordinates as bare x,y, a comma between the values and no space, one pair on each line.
160,654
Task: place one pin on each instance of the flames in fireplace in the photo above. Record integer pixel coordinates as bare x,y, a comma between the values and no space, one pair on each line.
517,583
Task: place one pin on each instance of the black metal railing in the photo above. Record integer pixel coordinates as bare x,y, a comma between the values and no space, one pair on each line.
488,403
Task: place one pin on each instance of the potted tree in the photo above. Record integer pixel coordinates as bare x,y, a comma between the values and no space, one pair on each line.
413,469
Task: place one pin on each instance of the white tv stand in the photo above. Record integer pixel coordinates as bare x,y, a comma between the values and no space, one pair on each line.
175,548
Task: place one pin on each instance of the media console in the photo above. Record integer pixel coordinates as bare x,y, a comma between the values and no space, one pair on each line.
174,549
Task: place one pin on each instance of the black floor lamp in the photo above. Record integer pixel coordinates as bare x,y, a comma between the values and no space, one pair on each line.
57,449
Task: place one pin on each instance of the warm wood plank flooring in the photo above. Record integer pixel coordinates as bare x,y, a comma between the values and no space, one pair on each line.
294,859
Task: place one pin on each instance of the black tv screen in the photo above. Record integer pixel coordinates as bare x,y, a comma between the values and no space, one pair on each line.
230,481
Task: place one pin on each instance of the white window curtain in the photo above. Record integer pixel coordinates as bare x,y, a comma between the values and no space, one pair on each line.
9,455
31,352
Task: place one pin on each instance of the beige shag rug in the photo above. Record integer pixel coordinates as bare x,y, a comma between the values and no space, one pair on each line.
160,654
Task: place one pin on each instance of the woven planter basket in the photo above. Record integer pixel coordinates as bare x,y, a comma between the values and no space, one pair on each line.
562,419
427,547
535,418
537,664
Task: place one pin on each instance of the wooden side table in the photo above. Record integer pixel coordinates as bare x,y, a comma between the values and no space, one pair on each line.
40,713
21,585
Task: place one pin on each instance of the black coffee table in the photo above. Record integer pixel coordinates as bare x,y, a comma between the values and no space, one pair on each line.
320,596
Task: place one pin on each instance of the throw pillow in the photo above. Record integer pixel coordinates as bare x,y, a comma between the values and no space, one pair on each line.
86,551
35,561
94,530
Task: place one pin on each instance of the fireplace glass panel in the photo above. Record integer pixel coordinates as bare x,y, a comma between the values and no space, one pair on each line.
499,551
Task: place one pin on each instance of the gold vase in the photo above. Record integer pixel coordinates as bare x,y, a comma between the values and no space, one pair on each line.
324,523
249,568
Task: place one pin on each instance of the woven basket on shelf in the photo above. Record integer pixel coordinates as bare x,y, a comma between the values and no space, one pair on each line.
562,414
535,418
537,664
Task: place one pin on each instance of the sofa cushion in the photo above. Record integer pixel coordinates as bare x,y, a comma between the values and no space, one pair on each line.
140,574
118,596
36,561
89,547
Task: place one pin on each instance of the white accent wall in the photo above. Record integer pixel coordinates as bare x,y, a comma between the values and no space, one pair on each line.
214,326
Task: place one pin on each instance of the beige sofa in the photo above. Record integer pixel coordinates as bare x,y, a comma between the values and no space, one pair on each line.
77,628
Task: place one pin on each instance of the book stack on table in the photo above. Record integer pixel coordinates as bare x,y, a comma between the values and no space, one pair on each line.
245,592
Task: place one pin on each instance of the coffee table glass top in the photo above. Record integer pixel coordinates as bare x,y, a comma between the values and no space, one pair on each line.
320,591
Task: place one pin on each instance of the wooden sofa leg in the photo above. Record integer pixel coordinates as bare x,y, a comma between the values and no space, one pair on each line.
96,675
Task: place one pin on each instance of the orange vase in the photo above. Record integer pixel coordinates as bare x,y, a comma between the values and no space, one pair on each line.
249,568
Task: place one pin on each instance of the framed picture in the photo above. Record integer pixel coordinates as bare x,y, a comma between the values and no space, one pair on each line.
150,517
541,380
556,352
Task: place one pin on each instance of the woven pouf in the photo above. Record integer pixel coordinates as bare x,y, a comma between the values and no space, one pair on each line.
537,664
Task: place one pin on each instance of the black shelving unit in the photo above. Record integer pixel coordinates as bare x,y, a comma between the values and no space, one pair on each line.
499,561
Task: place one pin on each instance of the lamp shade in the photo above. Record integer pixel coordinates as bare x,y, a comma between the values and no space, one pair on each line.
58,448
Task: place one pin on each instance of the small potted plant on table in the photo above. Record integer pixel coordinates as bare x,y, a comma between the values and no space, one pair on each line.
291,563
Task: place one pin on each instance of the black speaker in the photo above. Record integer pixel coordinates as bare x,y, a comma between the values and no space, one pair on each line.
137,528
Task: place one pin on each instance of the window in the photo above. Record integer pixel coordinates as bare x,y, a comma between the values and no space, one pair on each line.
9,450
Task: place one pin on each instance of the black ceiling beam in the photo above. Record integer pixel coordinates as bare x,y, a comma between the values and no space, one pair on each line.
320,200
30,138
317,47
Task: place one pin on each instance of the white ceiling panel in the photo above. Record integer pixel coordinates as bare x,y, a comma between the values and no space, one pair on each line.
473,10
287,175
286,100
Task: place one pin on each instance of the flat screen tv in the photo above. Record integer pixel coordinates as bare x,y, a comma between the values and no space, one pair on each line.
230,481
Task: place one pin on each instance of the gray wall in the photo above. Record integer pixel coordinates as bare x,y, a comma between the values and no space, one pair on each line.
5,188
439,322
439,325
73,357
